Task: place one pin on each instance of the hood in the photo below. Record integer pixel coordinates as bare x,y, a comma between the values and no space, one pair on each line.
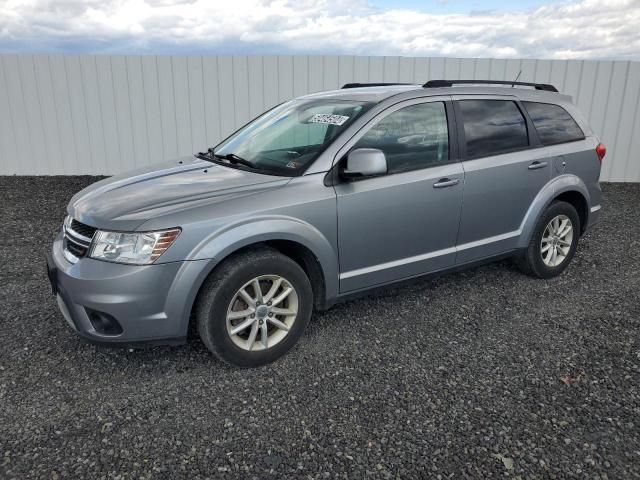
126,201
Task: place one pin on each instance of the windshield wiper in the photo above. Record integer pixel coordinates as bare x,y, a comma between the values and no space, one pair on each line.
233,158
230,157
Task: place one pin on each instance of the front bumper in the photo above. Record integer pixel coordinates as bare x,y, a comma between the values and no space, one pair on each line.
149,303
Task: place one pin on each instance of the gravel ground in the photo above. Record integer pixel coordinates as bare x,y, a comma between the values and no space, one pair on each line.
482,373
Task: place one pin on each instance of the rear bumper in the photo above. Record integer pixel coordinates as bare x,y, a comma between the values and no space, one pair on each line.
594,217
143,304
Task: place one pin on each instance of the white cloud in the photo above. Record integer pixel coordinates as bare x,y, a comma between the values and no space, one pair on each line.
583,29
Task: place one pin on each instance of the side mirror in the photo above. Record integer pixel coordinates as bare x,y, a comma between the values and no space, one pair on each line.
365,162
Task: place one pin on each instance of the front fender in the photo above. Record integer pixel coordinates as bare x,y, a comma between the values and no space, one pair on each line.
555,187
226,240
221,243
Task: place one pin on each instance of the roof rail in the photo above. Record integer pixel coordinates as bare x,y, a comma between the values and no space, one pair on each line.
450,83
358,85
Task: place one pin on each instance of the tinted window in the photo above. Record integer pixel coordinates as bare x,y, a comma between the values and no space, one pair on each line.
553,123
492,127
412,138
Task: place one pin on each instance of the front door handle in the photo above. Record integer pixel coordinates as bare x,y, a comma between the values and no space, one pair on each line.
446,182
536,165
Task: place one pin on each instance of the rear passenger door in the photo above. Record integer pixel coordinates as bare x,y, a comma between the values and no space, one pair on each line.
503,173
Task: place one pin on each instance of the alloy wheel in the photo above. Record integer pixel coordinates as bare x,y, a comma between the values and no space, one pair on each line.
262,312
556,241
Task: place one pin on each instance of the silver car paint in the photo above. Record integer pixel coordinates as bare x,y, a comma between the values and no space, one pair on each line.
126,201
363,234
387,225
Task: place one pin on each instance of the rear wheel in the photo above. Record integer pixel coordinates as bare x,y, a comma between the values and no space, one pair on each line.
254,307
553,243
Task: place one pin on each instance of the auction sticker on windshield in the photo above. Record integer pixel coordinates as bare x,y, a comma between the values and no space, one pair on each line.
328,118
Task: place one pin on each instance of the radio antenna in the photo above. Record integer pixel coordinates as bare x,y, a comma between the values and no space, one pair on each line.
517,77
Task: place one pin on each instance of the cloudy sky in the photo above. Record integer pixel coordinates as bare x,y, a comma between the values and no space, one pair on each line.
461,28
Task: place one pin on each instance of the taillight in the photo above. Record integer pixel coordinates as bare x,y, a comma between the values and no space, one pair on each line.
601,151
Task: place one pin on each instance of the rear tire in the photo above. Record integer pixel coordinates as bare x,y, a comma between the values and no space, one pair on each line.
553,243
244,310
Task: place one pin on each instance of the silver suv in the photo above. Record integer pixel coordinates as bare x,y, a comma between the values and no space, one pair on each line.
322,197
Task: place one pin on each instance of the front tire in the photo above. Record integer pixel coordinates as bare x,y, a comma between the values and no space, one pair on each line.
553,243
254,307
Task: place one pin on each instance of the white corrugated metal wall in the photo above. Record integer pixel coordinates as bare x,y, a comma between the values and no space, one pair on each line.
68,114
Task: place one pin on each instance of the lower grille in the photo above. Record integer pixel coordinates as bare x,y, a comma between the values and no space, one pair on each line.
77,239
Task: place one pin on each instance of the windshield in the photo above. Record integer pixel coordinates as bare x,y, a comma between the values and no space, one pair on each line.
288,138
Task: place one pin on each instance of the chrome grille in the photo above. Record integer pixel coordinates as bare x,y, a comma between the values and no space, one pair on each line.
82,229
77,239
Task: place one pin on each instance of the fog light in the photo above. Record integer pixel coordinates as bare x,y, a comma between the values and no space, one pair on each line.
104,323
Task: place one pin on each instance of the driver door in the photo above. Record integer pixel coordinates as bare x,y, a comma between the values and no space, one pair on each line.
404,223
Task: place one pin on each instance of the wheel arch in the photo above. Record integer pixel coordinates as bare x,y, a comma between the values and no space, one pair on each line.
299,241
304,257
579,202
568,188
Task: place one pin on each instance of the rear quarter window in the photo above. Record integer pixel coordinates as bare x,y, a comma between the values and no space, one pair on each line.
553,123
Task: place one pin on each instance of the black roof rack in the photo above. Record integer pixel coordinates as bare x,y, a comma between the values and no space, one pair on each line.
450,83
358,85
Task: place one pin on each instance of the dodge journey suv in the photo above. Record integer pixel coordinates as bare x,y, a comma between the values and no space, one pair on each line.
323,197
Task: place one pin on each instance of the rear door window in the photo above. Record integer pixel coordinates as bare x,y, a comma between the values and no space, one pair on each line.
553,123
492,127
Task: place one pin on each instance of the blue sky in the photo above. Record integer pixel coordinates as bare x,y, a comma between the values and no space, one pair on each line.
594,29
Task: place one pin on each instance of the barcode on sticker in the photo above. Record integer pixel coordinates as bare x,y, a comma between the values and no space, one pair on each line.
328,118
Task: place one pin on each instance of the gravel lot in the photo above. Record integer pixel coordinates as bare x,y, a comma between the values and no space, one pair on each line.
482,373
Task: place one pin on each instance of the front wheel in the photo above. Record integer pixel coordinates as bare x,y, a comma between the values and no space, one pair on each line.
254,307
553,243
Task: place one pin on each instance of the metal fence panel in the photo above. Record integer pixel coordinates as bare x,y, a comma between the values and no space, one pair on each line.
98,114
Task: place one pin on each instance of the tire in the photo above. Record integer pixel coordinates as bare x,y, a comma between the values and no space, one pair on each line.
220,297
536,263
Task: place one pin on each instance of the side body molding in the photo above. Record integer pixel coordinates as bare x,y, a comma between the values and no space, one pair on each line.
555,187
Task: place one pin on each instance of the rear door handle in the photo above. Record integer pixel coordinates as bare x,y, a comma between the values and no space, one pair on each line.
446,182
536,165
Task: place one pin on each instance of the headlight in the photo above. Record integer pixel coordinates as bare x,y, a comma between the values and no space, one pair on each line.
140,248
